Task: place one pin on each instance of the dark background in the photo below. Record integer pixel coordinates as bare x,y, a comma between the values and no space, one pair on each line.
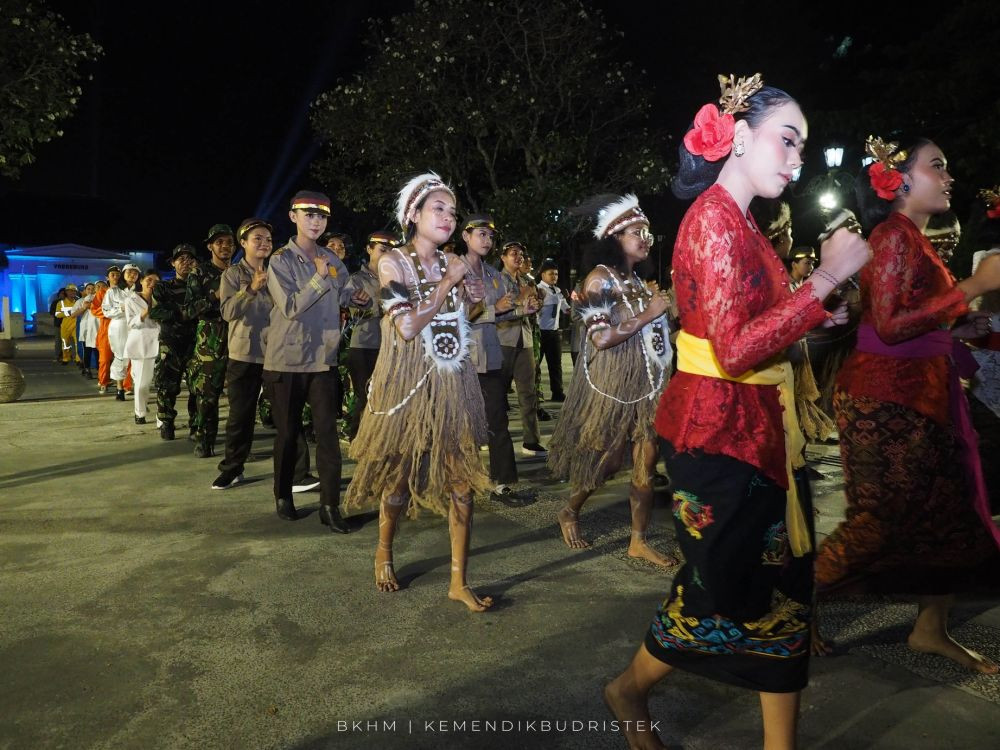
197,113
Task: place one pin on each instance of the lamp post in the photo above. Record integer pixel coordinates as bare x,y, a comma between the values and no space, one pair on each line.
828,187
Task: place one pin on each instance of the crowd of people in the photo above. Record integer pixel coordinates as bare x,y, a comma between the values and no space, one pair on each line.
439,336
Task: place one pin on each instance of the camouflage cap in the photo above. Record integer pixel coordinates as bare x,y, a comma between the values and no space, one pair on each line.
218,230
183,249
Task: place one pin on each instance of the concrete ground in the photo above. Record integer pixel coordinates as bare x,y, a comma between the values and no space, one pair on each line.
143,610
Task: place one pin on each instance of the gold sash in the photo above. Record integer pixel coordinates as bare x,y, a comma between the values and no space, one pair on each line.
695,356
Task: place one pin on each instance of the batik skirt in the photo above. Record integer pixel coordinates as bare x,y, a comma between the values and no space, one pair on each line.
740,606
910,526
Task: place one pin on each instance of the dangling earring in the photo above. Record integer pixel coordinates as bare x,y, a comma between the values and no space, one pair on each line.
906,188
738,149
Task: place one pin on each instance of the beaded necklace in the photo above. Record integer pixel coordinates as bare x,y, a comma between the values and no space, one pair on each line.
444,337
641,295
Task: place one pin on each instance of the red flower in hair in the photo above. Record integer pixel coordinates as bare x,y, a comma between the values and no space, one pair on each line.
994,213
885,182
712,135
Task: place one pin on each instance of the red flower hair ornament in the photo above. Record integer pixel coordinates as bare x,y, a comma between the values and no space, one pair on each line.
883,175
885,182
712,134
991,197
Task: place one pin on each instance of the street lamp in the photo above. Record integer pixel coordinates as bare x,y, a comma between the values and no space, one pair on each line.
866,160
833,155
829,200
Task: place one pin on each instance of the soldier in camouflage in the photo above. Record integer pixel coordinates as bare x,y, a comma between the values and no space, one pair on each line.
207,367
176,341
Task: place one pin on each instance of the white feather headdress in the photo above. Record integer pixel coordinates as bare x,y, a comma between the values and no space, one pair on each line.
415,191
616,216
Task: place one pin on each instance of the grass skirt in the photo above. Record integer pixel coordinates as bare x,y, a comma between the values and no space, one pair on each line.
593,430
432,443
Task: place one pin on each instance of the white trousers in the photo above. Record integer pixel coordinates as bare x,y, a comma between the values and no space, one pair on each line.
117,335
142,377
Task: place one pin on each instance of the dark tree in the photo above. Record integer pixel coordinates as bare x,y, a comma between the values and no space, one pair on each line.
41,63
522,105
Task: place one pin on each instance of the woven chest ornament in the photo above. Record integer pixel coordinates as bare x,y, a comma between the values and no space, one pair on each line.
446,337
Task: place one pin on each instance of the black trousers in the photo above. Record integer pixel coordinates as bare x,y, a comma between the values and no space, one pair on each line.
291,392
552,352
503,470
360,366
243,383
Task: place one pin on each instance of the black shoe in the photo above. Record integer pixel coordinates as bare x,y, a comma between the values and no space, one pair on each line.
533,449
505,494
813,474
558,398
543,416
227,479
140,420
191,436
167,431
329,515
286,509
120,395
203,450
308,482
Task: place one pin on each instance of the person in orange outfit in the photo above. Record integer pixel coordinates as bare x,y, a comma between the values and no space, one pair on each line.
104,353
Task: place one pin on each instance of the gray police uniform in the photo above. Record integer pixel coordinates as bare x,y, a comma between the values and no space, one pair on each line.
300,362
248,313
487,355
514,330
366,338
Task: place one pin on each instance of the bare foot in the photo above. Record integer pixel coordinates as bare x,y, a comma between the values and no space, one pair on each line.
818,647
949,648
470,599
632,714
570,527
640,548
385,575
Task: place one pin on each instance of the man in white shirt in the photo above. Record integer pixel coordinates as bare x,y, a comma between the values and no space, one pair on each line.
553,312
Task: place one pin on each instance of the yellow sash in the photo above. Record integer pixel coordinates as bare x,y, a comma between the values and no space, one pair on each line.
695,356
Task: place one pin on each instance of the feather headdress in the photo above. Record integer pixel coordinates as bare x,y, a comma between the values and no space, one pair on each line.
415,191
616,216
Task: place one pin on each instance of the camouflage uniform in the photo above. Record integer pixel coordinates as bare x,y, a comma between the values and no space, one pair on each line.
176,348
207,366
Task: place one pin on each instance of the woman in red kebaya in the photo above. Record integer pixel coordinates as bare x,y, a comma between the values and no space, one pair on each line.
918,520
740,606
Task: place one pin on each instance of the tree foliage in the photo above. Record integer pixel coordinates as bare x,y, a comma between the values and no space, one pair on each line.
522,105
41,63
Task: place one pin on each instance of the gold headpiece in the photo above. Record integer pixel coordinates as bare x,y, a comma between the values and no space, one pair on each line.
990,196
886,153
736,92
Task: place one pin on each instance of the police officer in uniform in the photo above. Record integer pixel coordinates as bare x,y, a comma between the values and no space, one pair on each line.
176,341
308,284
516,341
366,336
207,368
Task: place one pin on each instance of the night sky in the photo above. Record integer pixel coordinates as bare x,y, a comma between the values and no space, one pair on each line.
198,111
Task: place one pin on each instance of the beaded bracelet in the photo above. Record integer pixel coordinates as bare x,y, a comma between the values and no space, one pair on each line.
828,276
400,308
